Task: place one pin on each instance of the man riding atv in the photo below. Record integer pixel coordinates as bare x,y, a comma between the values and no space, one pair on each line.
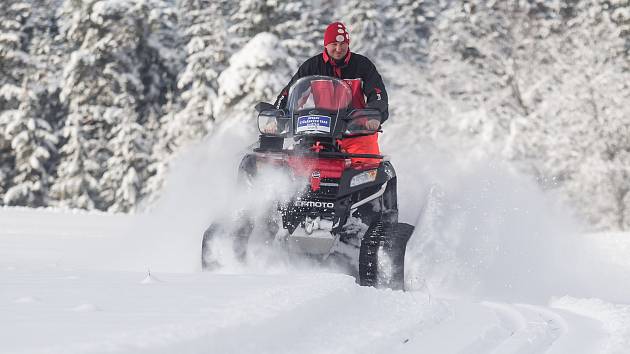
323,138
359,73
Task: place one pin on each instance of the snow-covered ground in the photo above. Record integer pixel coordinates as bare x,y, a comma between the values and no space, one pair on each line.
493,267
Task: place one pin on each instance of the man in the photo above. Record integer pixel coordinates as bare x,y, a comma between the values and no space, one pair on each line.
358,71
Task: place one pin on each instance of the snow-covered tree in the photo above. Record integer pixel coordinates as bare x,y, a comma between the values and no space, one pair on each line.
75,185
34,146
27,50
363,18
45,48
162,62
14,63
187,113
101,79
14,59
250,18
256,73
471,68
127,168
578,125
162,150
204,29
160,56
123,66
299,24
541,82
410,24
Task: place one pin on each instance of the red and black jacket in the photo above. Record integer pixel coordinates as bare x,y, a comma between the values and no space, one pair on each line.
354,66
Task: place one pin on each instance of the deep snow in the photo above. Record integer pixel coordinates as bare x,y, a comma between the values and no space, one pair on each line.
494,266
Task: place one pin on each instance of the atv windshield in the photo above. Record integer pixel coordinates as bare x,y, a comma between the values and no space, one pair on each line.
315,103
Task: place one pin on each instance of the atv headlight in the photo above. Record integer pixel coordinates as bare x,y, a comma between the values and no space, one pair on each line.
364,177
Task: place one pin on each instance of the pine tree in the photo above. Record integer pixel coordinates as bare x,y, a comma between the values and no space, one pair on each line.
160,57
300,25
409,26
34,146
256,73
75,185
127,168
187,113
162,63
27,50
102,80
596,125
162,151
116,82
367,31
250,18
205,32
14,59
471,64
14,62
575,134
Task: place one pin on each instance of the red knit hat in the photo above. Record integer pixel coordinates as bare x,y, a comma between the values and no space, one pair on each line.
336,32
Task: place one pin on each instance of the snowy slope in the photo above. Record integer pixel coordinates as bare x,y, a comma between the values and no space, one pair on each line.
493,267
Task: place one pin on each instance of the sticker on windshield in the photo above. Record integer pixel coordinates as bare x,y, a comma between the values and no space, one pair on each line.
313,124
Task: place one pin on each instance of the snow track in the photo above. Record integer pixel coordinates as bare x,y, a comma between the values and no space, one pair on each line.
76,283
349,320
73,311
522,329
534,329
284,313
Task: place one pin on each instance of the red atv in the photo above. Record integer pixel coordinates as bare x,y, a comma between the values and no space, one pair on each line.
346,205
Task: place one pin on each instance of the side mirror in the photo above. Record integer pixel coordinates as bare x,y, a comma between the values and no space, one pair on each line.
273,123
264,106
365,121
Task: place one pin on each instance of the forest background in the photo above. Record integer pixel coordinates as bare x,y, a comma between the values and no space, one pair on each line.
97,97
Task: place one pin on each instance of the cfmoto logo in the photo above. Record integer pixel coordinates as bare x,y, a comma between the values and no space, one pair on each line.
314,204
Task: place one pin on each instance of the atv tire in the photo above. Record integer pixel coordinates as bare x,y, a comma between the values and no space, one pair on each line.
239,235
208,262
382,255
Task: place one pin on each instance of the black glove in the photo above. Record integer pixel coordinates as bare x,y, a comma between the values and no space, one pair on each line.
380,105
263,106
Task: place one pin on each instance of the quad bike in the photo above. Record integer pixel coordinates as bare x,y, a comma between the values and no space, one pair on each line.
346,204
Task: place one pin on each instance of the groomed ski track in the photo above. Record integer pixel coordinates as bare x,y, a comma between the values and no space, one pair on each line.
69,311
58,301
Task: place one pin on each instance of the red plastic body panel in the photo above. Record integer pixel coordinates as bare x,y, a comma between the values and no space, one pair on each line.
328,168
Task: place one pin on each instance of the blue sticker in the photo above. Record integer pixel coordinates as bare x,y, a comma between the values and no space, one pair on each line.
313,124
